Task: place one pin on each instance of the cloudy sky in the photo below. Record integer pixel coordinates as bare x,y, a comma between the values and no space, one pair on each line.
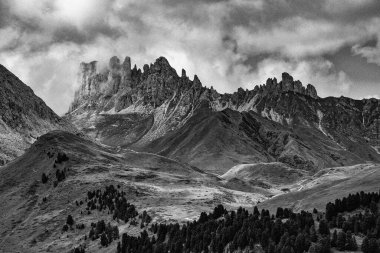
333,44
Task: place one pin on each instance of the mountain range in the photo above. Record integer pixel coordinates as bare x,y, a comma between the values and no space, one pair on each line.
156,110
175,148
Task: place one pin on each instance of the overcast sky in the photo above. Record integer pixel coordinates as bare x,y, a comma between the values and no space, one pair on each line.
332,44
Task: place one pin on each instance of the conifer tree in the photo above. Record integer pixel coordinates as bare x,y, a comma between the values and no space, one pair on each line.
70,220
341,241
44,178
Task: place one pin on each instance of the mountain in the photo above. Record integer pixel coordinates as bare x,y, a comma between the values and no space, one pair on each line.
174,148
24,117
158,111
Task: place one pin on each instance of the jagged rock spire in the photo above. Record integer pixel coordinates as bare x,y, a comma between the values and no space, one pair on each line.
288,84
159,80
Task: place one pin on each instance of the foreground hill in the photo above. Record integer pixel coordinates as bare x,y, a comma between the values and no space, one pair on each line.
24,117
157,110
34,211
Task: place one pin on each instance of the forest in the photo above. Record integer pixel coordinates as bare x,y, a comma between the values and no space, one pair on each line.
282,232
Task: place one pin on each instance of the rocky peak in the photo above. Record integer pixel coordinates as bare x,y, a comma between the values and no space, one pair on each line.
157,82
287,84
162,66
114,64
311,91
287,80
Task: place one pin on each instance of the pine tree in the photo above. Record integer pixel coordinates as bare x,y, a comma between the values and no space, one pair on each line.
334,239
256,211
44,178
70,220
373,246
313,234
341,241
300,243
323,228
324,243
356,227
373,207
350,242
365,245
104,240
280,212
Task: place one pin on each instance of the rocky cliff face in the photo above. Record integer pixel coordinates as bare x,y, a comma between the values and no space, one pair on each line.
120,87
157,90
23,117
126,106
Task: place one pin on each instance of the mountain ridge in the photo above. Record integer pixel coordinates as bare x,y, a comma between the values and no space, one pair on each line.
149,108
176,153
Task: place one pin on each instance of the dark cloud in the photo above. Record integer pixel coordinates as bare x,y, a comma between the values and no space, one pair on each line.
227,43
4,14
72,34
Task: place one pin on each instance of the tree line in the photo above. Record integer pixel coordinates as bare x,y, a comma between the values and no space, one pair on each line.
282,232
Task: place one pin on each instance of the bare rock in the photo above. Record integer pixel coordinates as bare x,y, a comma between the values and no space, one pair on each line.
311,91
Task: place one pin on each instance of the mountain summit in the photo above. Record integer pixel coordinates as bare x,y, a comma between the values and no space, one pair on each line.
156,110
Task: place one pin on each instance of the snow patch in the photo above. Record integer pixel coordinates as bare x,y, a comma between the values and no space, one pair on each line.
248,106
275,116
320,117
377,149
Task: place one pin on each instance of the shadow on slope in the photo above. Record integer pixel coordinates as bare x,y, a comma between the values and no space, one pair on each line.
217,141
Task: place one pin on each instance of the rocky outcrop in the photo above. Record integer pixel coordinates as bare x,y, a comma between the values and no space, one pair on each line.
157,88
156,83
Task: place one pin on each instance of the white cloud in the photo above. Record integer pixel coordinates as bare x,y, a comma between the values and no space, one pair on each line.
319,72
205,38
299,37
8,37
372,54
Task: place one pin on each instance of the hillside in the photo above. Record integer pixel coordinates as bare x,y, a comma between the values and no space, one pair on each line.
24,117
326,185
174,149
34,212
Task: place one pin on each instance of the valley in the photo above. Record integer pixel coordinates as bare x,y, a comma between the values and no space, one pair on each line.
176,150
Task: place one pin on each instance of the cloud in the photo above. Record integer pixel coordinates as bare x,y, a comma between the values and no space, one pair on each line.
320,72
227,43
299,37
372,54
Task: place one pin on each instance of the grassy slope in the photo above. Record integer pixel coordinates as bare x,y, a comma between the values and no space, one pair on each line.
167,189
328,185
